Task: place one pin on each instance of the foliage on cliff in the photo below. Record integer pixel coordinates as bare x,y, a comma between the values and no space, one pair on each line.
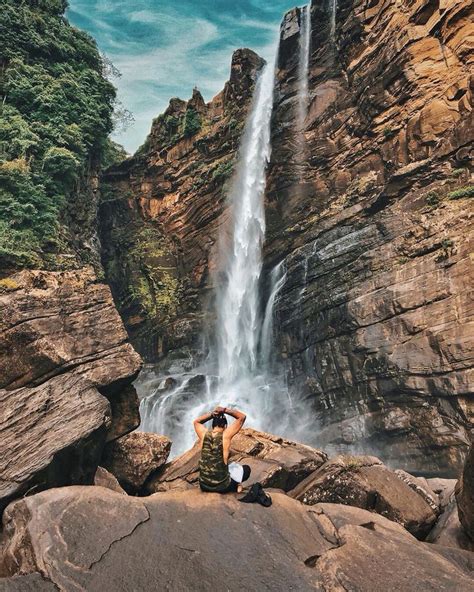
55,118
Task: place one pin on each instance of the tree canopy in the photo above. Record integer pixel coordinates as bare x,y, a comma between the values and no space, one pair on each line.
56,114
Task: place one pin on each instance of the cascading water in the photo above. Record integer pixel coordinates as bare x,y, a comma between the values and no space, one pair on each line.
238,371
303,66
333,5
238,300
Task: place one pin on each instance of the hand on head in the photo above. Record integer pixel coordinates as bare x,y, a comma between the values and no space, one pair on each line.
218,411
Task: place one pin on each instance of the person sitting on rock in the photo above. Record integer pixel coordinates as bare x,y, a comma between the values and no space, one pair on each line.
215,475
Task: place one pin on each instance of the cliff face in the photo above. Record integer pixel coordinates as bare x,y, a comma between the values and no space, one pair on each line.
368,205
160,213
371,212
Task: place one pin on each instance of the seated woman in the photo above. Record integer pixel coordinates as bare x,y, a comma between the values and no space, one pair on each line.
214,475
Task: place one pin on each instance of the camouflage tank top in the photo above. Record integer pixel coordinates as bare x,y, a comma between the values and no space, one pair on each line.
213,472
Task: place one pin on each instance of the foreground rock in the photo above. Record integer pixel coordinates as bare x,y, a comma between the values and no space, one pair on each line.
134,457
66,371
181,540
465,495
275,462
103,478
51,435
364,482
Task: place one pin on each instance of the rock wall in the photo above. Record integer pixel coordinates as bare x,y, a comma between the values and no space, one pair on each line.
160,211
66,373
373,217
369,206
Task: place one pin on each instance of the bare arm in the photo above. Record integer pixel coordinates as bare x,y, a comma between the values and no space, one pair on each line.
198,424
236,425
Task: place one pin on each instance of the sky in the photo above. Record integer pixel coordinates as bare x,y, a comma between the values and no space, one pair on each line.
164,48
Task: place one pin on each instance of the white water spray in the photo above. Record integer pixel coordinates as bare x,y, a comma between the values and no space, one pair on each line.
238,300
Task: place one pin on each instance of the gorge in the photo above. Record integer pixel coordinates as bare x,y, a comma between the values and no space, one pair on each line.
300,247
367,146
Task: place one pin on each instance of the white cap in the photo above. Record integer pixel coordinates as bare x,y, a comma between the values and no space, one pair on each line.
236,472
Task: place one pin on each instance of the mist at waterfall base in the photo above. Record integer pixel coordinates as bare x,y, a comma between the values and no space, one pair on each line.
239,370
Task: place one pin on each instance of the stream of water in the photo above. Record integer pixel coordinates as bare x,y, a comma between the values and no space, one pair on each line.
238,370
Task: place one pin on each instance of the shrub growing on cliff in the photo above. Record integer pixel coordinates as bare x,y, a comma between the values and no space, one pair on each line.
222,171
462,192
192,123
55,117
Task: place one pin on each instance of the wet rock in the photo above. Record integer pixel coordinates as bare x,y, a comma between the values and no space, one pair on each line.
364,482
443,488
274,461
189,533
374,322
133,458
51,435
103,478
465,495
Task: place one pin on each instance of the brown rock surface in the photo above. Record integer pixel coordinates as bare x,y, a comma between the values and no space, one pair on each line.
465,495
58,322
448,530
375,317
364,482
136,543
274,461
160,213
103,478
50,435
135,457
63,353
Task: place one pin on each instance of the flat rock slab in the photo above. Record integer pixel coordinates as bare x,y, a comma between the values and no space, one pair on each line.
59,321
50,435
275,462
364,482
90,538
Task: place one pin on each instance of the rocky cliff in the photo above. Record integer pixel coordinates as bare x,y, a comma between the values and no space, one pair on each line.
366,538
368,207
374,225
160,212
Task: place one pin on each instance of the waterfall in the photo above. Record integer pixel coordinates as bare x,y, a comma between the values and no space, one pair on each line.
238,370
303,66
333,20
277,280
238,300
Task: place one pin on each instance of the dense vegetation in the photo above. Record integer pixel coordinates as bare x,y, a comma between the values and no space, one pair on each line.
56,114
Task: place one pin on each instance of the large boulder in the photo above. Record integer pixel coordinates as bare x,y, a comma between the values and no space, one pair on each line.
364,482
89,538
465,495
66,372
134,457
54,323
275,462
50,435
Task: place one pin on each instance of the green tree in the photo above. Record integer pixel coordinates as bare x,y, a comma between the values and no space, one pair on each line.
55,116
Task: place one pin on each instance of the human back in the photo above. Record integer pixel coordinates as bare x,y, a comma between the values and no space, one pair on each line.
215,447
213,470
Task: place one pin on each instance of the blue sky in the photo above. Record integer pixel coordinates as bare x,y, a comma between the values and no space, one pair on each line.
163,48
